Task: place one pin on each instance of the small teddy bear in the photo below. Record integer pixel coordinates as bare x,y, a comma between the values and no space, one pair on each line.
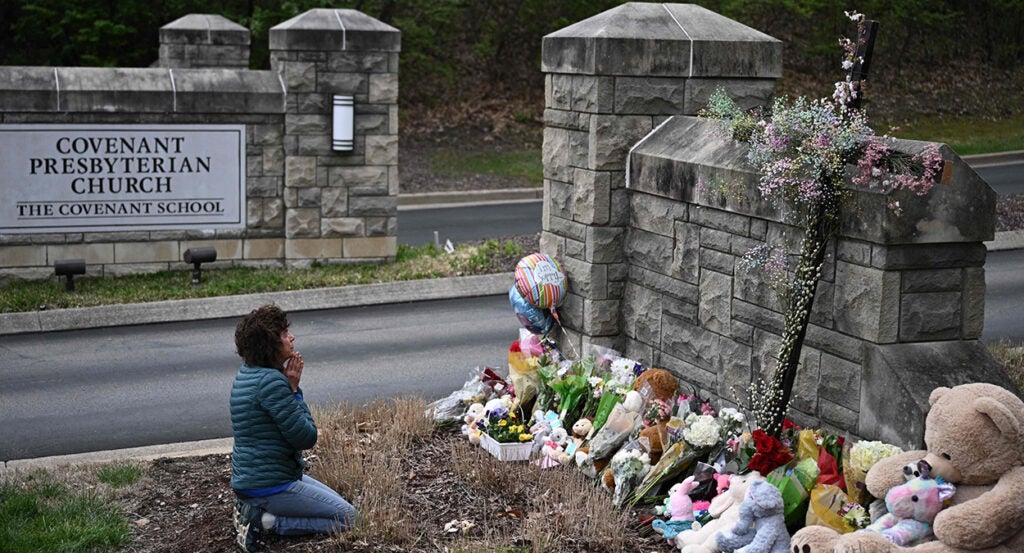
679,507
474,413
912,509
580,430
554,447
761,527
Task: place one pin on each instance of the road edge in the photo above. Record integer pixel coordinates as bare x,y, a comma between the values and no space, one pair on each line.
219,446
235,306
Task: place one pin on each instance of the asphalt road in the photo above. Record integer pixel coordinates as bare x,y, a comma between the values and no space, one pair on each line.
93,390
1004,178
465,223
1004,295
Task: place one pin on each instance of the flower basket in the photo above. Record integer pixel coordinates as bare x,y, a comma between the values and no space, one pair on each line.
513,451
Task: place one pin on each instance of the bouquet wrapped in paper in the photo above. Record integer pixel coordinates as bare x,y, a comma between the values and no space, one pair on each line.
795,481
679,457
609,439
571,387
832,507
452,408
522,372
629,467
857,459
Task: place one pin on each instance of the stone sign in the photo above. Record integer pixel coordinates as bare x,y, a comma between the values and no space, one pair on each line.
101,178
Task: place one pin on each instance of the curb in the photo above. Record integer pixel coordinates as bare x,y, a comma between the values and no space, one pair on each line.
236,306
981,160
1006,240
220,446
467,197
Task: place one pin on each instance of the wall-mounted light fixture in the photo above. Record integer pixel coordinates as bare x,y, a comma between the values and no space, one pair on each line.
343,118
68,268
198,256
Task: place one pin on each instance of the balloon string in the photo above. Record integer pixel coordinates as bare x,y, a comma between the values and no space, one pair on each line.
568,341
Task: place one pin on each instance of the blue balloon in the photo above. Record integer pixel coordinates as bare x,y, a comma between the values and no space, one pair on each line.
537,321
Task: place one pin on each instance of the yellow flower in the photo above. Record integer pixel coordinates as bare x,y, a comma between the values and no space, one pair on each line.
502,422
525,437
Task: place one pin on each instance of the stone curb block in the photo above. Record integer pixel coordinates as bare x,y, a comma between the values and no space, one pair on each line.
469,196
221,446
980,160
1007,240
236,306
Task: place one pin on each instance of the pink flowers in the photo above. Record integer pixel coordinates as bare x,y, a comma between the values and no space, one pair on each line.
880,168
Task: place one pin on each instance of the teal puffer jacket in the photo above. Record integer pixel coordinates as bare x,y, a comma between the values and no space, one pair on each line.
271,427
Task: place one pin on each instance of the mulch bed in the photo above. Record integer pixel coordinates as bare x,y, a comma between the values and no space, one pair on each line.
184,504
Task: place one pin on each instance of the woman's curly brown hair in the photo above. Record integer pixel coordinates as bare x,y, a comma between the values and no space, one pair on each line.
258,336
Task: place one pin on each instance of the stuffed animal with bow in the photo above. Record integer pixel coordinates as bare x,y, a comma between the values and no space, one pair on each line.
912,510
679,507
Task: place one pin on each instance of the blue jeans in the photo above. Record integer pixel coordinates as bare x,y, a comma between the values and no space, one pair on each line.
306,507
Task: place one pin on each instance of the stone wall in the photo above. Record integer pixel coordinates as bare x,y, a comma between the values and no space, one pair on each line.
305,202
610,80
651,229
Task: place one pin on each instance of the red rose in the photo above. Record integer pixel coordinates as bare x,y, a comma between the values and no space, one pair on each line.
771,454
514,348
763,443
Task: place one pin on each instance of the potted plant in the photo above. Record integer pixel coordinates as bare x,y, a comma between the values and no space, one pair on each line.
505,436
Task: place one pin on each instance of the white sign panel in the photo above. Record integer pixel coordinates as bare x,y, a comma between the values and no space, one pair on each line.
100,178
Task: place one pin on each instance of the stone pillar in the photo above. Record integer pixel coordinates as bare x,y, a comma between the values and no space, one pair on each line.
609,81
339,205
204,40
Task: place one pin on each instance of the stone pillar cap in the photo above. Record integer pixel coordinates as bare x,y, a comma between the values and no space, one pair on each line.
203,28
325,29
662,40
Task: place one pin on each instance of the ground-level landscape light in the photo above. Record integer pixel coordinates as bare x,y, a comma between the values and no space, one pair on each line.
68,268
198,256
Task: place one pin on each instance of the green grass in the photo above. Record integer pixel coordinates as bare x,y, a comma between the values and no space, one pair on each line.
410,264
966,135
118,474
524,164
38,514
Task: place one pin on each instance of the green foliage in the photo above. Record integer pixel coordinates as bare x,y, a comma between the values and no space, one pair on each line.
967,135
410,263
41,515
118,474
525,164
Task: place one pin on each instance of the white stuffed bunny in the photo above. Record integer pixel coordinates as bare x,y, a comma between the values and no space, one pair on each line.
725,507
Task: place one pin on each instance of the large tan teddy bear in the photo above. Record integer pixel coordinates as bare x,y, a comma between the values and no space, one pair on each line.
975,439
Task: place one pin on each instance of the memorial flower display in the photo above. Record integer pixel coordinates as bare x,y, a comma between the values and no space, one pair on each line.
801,149
637,439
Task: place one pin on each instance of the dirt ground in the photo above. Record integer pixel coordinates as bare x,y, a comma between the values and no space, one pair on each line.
184,505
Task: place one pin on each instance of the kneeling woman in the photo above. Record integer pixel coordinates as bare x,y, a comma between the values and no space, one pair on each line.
271,426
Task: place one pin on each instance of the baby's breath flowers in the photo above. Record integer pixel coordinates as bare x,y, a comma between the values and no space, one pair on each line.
802,150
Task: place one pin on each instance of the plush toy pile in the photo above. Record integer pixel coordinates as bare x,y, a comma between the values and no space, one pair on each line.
713,484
